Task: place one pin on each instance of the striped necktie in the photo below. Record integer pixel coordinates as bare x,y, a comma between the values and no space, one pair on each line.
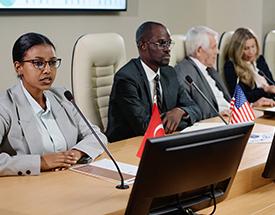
157,92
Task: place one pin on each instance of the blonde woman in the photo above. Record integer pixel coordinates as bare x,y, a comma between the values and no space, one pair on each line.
244,63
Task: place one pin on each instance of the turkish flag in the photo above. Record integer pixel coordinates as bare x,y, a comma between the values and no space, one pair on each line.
155,129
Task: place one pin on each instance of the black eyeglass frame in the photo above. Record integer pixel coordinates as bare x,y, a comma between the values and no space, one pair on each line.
164,45
53,63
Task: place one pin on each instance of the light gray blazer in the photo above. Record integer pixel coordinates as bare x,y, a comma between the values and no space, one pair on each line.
188,67
20,141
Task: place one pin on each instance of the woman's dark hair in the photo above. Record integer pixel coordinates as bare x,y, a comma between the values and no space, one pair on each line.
27,41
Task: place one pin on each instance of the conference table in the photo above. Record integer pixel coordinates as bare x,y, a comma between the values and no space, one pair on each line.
68,192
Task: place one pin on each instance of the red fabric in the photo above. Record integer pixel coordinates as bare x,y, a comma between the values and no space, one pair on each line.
155,129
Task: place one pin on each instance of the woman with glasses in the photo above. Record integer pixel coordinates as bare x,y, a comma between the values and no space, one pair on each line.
39,129
245,65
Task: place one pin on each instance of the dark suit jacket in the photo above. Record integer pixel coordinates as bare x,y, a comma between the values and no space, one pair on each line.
130,103
254,94
188,67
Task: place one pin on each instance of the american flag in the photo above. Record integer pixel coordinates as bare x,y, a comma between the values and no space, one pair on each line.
241,111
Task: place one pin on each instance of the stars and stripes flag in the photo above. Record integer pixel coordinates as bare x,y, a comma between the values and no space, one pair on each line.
155,129
241,111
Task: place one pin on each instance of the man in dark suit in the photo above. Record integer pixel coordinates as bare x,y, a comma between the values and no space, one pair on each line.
134,89
201,49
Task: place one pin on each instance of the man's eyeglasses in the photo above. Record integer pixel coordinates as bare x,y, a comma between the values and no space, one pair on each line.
163,44
41,64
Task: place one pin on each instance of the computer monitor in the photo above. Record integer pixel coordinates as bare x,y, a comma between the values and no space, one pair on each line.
269,170
65,5
179,172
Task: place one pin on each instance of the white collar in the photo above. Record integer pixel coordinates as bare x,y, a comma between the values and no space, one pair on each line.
36,107
149,72
201,66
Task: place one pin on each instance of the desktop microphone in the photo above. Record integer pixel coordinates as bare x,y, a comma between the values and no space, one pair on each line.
191,82
268,79
70,97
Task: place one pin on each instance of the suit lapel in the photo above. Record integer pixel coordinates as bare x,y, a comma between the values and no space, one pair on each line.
27,120
207,90
165,90
220,84
62,121
144,80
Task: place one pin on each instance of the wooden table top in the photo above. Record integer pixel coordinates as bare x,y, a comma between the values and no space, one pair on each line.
68,192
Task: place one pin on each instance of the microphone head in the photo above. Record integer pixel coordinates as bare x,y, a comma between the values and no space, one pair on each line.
69,95
189,79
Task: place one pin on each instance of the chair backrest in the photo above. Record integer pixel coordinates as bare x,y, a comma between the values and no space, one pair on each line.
95,59
223,46
269,50
178,51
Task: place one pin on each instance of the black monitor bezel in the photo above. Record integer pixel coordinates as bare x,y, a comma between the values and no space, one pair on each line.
51,11
136,196
269,169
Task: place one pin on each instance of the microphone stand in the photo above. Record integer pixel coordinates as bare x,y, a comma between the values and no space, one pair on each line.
69,96
191,82
268,79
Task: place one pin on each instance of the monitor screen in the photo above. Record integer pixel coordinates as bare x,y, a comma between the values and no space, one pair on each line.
64,4
185,171
269,170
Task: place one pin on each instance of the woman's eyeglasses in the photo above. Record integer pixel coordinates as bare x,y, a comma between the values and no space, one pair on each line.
41,64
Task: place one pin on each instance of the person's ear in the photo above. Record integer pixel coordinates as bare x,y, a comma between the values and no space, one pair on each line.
199,49
18,68
142,45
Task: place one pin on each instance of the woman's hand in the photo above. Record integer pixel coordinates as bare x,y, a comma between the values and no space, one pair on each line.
59,160
269,89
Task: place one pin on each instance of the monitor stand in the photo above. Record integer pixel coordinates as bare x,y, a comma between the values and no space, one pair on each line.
184,208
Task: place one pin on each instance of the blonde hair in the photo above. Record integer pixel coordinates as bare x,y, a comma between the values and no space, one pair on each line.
235,53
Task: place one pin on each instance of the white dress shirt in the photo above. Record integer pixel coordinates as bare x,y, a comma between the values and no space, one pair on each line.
150,76
223,104
52,138
259,80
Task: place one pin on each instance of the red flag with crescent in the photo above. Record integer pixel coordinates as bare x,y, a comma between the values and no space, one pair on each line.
155,129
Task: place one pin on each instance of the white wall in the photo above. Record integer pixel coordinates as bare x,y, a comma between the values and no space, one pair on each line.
177,15
64,29
224,15
268,16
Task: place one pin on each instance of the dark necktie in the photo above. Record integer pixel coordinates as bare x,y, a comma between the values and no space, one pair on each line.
159,103
208,69
210,72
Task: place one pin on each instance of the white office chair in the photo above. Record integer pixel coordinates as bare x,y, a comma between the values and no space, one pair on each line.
223,46
178,51
96,58
269,50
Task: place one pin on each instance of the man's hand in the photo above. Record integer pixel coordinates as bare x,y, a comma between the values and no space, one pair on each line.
264,102
172,119
225,113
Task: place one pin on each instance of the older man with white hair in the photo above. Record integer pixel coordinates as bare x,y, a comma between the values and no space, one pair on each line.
201,49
